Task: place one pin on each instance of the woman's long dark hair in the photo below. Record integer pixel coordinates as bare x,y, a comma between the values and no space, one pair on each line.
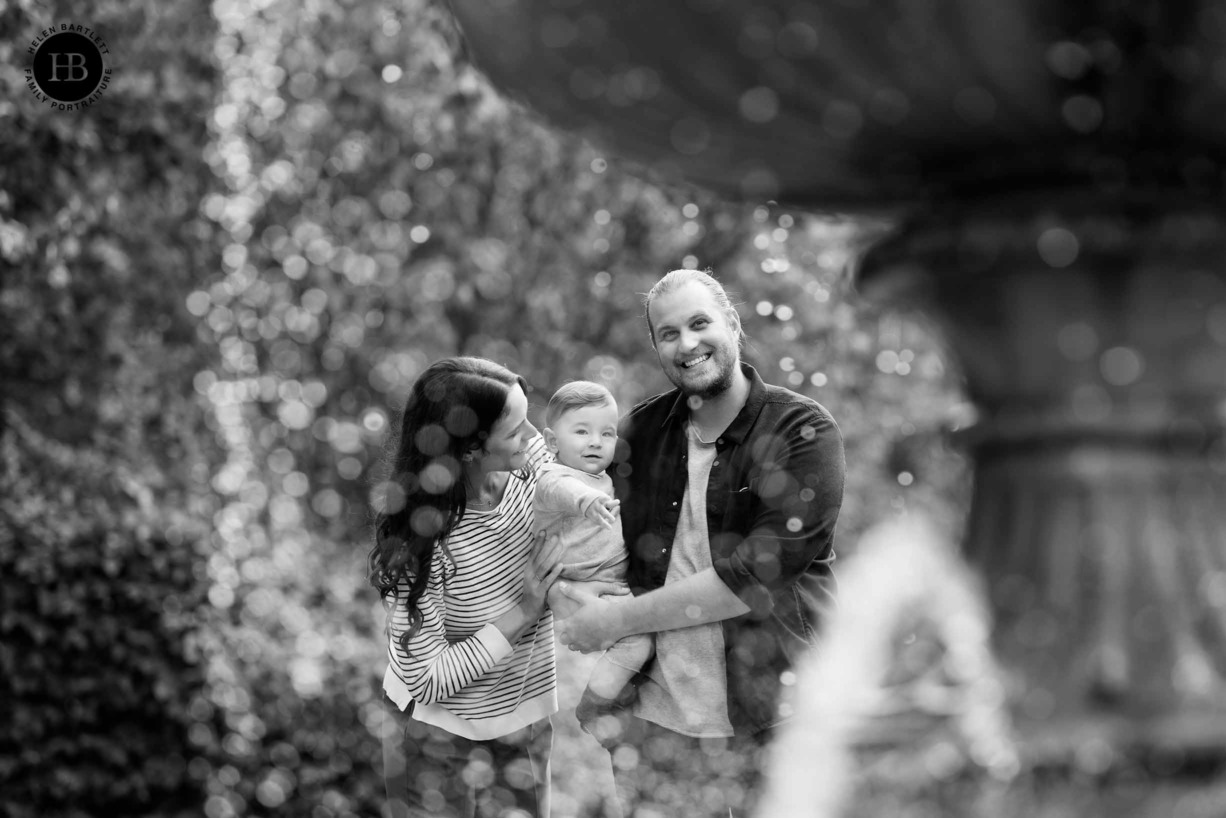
450,412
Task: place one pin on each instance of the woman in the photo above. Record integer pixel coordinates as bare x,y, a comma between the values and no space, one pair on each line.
471,677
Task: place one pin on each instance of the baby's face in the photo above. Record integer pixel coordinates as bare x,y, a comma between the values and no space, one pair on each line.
586,437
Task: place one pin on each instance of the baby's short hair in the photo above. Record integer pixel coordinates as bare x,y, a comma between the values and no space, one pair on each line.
576,395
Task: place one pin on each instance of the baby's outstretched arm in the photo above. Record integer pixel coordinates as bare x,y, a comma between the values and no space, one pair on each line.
603,510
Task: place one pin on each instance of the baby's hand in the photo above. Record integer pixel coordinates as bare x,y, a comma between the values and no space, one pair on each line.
603,511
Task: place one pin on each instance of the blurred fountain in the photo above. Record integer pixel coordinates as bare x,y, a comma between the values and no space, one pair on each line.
904,678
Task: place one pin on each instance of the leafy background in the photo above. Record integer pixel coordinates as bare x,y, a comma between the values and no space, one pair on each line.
219,282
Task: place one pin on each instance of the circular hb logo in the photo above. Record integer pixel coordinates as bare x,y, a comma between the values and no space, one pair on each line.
67,67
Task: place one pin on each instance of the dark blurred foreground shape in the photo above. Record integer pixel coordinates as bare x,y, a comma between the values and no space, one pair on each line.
1055,173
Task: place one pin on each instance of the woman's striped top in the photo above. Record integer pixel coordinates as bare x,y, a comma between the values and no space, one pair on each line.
459,672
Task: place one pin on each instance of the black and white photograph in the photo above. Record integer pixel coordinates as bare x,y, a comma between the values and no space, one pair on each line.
651,409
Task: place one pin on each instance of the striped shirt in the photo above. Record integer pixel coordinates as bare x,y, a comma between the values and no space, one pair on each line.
459,671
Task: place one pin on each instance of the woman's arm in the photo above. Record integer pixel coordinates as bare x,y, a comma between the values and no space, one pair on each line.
544,565
431,667
434,668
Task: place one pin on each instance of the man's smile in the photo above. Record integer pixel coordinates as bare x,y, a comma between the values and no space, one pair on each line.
693,362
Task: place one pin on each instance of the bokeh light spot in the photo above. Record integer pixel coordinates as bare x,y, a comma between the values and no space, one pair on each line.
440,475
1121,366
1058,247
432,440
461,421
759,105
426,521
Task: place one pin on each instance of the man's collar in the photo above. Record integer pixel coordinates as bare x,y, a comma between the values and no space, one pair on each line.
736,431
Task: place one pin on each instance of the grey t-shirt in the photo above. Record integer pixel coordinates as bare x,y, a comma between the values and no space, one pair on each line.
688,688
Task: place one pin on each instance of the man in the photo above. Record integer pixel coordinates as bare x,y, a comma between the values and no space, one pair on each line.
729,493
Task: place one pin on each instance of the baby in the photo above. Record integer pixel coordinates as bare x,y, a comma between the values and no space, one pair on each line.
574,500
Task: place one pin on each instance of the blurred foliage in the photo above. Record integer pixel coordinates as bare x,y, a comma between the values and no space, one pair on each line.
96,658
222,279
104,495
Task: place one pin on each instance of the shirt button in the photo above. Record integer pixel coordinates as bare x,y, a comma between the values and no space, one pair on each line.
716,463
674,503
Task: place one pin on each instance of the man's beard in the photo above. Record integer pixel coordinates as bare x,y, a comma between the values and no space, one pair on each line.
713,389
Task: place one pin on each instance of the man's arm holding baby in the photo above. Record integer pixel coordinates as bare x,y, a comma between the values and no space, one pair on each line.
593,623
562,599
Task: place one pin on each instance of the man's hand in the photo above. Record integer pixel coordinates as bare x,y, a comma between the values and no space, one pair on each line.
593,626
563,605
